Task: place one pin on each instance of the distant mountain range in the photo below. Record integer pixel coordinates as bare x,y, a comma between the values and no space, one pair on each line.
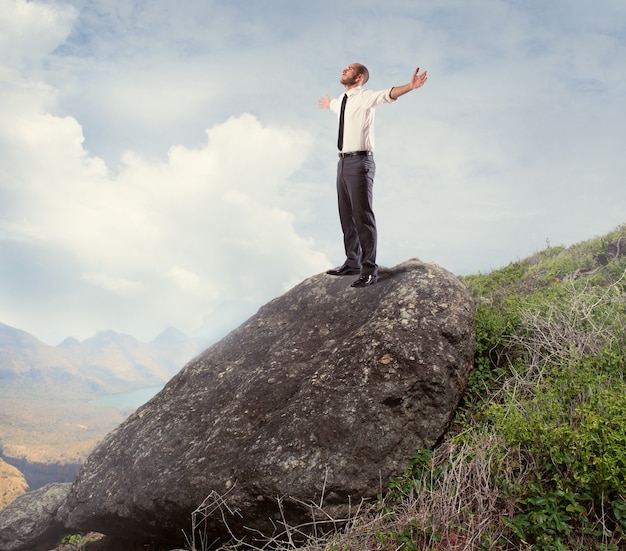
106,363
50,418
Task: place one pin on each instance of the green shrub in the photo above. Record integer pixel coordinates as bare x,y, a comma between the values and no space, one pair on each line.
577,422
547,517
75,542
562,400
418,476
572,430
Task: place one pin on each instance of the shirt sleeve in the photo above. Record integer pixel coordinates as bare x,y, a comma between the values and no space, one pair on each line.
376,97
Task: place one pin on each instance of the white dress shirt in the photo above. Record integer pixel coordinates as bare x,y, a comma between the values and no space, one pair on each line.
358,128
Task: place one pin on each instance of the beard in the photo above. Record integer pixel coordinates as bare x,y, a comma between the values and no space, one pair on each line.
348,81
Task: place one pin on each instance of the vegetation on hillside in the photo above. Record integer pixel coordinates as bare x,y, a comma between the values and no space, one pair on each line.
536,458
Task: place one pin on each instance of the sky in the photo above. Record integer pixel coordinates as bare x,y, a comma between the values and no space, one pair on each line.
164,163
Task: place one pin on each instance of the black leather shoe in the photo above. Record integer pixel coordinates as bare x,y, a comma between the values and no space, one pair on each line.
365,280
344,270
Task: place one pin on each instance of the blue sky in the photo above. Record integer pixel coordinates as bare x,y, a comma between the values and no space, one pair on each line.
164,163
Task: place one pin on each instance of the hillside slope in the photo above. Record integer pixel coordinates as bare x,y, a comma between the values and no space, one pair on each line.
12,484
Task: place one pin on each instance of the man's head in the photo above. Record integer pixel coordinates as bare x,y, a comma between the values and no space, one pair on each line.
354,75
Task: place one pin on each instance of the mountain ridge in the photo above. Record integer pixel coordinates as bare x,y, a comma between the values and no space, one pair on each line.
107,362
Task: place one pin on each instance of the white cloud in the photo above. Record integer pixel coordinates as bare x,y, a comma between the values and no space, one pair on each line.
203,227
30,30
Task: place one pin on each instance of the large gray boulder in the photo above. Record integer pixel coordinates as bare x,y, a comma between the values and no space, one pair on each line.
317,399
29,523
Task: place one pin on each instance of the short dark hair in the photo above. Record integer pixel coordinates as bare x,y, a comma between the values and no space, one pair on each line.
362,70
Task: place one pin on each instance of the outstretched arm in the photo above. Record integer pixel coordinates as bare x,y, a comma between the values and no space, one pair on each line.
417,80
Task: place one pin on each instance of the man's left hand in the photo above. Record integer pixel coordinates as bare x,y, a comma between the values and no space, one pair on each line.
418,79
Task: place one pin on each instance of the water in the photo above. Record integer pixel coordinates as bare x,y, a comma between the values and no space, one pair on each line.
130,399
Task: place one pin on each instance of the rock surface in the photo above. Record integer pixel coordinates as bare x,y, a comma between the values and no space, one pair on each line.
29,523
317,399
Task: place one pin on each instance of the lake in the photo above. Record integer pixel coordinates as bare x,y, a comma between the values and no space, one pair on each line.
130,399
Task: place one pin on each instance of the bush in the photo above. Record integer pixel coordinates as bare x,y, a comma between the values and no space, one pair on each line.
572,431
564,407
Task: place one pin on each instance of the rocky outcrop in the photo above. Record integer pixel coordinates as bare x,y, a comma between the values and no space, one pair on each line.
302,411
29,523
317,399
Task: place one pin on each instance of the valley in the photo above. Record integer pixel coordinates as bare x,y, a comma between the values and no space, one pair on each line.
48,438
58,402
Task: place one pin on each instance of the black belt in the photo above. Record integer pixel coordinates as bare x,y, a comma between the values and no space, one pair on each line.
356,153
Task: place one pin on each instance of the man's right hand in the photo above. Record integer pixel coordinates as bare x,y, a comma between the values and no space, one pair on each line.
324,103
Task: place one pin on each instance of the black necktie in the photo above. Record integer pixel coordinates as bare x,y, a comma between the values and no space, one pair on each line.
341,113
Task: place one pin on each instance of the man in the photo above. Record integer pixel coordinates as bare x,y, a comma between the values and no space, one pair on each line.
356,167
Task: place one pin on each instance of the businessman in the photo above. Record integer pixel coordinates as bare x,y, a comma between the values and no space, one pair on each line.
356,167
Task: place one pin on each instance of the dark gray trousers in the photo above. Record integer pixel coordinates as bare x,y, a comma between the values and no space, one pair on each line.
355,183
